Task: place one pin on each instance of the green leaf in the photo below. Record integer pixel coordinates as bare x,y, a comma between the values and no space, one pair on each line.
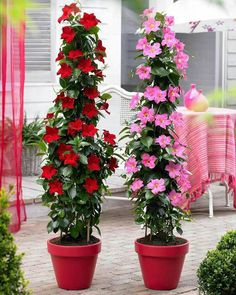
149,195
94,30
83,159
179,230
66,171
147,141
106,96
76,72
160,71
74,232
50,227
63,83
72,192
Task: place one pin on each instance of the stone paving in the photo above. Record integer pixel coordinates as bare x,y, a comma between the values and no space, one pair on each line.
118,269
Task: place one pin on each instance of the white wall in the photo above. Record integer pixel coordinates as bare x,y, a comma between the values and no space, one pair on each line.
39,96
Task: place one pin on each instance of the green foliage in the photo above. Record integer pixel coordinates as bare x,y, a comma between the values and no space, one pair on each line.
217,272
155,211
12,280
32,133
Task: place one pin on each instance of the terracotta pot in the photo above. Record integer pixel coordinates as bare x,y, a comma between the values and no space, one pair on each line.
74,266
161,265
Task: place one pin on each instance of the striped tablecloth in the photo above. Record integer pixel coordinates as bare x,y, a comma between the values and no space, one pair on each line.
211,141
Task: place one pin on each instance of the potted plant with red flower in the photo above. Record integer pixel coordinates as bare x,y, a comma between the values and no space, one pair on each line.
157,175
79,157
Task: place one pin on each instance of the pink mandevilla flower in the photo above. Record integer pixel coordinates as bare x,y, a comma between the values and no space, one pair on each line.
146,115
152,50
177,119
170,20
169,39
157,185
151,25
134,101
148,161
176,198
135,128
143,72
183,181
162,121
142,43
136,185
173,169
163,141
147,12
173,93
181,60
179,46
131,165
178,150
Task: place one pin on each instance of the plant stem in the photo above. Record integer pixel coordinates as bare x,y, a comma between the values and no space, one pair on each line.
88,231
151,235
145,230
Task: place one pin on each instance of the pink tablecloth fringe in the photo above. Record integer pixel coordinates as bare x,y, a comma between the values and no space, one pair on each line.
199,189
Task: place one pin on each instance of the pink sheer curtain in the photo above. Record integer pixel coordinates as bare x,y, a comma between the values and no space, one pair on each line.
11,113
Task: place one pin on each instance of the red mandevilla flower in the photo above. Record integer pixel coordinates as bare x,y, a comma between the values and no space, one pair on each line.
63,149
68,34
108,137
89,130
91,92
89,20
85,65
100,51
67,11
112,164
100,46
98,73
51,134
48,171
74,127
91,185
90,110
59,97
65,71
60,56
93,163
75,54
68,103
55,187
105,107
71,159
50,115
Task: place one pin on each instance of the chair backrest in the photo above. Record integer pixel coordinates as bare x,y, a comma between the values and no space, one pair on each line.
119,108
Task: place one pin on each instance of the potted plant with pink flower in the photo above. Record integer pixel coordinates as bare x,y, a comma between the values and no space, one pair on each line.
78,157
157,175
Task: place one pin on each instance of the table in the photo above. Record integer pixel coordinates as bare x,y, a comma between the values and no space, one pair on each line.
210,137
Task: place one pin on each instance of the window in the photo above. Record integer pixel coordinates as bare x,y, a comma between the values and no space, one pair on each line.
130,24
38,43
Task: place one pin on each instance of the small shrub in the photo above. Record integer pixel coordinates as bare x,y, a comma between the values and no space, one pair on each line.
228,241
12,280
217,272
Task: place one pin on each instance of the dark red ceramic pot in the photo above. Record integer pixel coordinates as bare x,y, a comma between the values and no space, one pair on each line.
161,265
74,266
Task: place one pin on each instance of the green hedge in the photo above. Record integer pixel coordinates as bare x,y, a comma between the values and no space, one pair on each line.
12,280
217,272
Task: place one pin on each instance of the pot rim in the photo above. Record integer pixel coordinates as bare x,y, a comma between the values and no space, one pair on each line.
73,246
162,251
166,246
74,251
